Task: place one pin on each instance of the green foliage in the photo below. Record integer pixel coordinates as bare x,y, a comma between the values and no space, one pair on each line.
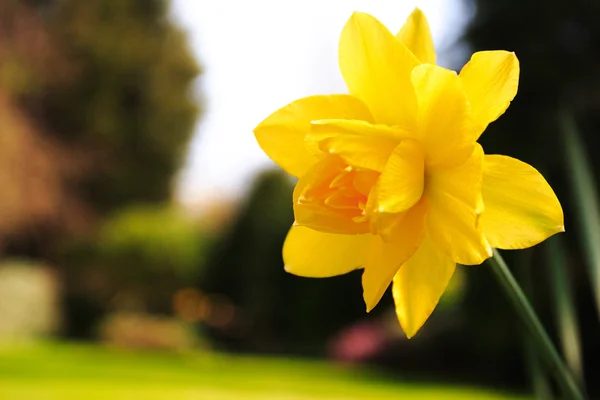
144,241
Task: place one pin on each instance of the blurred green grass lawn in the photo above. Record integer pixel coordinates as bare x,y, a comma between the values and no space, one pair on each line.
66,371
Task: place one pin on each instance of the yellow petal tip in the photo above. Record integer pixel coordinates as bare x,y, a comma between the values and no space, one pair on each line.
369,303
409,331
369,306
358,14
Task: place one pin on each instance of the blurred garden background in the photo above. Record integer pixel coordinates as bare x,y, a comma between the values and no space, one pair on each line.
141,226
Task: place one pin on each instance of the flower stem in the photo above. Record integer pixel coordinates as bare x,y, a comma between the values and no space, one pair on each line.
538,335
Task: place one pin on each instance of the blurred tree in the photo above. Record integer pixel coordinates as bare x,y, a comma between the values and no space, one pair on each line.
100,112
110,81
130,102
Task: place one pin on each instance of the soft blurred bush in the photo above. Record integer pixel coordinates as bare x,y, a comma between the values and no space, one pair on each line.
141,256
145,331
144,241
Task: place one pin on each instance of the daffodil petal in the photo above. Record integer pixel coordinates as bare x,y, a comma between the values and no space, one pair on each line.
384,258
358,143
416,35
521,210
308,212
324,128
380,223
455,204
419,284
444,123
376,67
281,135
490,80
401,182
310,253
323,220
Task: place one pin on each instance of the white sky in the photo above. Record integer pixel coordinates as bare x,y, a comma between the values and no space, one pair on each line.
259,55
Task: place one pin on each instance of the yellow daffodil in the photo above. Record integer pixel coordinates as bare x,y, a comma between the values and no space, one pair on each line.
391,177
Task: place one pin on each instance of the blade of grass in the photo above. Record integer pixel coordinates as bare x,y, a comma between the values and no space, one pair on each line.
544,345
585,193
537,373
566,313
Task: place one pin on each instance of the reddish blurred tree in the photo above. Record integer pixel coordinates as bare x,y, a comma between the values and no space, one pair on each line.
97,107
